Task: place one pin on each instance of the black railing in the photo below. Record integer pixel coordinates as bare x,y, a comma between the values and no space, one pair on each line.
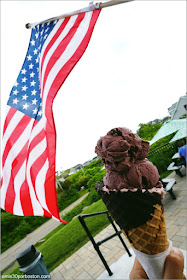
97,244
161,157
168,147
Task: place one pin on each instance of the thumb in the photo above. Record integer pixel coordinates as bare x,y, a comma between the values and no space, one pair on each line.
174,265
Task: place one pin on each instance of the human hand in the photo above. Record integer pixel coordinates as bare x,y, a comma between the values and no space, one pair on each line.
173,269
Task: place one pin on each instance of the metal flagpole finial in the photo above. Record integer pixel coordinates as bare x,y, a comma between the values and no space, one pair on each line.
27,25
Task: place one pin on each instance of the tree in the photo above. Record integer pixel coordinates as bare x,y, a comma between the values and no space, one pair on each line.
147,131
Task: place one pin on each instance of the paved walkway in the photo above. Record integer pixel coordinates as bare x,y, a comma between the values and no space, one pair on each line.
85,264
9,256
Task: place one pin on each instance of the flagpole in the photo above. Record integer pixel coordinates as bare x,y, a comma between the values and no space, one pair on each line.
91,7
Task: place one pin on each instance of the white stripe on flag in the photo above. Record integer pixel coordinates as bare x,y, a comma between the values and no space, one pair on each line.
40,181
18,181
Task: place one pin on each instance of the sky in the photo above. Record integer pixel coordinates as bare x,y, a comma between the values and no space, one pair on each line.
133,70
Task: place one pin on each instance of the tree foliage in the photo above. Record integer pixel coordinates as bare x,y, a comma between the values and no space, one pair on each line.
147,131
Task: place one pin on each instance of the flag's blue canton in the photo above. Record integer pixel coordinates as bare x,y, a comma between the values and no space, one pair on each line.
25,95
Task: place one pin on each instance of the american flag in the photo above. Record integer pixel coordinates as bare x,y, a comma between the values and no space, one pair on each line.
28,183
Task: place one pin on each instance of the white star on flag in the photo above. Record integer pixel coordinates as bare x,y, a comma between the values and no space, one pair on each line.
25,106
34,101
15,101
33,83
24,88
23,71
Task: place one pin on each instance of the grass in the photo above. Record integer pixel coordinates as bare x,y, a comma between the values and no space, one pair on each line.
165,174
67,240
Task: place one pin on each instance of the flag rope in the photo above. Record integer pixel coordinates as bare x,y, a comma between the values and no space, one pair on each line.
91,7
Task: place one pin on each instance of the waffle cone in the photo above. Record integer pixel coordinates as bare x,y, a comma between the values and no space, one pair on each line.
150,238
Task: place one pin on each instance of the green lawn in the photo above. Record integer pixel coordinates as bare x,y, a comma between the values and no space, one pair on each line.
69,238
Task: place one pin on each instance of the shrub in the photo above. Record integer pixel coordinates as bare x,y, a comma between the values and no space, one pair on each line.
66,197
14,228
96,178
92,197
83,181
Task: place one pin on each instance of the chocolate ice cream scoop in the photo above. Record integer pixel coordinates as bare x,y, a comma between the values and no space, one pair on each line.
124,156
120,148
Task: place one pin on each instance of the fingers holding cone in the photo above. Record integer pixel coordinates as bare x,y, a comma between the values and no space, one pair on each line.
174,265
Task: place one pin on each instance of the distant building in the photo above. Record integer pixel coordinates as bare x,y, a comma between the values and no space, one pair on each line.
155,121
179,108
166,118
75,168
159,120
87,163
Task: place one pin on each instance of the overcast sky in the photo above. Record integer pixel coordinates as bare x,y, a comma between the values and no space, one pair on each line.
133,70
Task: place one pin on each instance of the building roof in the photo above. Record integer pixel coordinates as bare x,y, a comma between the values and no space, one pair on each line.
173,109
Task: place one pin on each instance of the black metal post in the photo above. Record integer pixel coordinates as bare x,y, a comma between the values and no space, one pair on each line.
179,173
172,194
119,235
95,244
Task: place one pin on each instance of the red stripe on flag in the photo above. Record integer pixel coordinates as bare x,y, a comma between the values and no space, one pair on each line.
47,214
26,200
50,193
9,116
15,136
10,195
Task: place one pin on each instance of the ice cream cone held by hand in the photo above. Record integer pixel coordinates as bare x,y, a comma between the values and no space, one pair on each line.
132,191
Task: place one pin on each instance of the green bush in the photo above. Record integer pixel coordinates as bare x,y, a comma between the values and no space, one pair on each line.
82,181
67,184
92,197
96,178
89,200
14,228
66,197
92,171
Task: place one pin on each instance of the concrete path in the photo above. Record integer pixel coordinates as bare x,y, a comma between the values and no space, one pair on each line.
85,264
10,255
